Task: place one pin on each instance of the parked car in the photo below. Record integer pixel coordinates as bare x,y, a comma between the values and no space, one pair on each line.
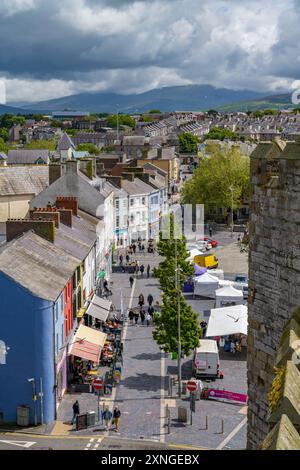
241,283
212,242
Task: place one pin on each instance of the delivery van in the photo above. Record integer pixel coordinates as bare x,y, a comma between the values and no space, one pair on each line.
207,261
206,363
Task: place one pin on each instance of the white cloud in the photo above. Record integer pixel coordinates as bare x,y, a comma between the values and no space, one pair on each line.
11,7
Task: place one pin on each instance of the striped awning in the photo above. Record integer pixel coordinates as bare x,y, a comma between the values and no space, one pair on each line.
87,343
99,308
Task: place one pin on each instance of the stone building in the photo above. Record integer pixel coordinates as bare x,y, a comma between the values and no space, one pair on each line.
274,280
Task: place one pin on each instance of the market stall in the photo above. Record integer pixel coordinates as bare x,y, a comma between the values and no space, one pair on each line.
193,253
227,296
199,270
219,273
227,321
206,285
99,308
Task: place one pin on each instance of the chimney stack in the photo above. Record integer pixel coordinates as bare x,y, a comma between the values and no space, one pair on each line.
46,213
64,202
71,167
66,216
43,228
55,172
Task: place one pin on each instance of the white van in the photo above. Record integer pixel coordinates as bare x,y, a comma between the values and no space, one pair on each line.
206,359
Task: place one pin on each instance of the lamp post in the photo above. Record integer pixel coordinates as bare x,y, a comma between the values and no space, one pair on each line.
177,280
231,190
34,398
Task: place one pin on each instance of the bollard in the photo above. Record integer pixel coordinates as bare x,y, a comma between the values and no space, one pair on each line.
222,426
206,423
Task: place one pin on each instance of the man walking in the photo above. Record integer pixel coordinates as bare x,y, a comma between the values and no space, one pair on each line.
116,417
131,280
148,271
107,415
142,269
150,299
76,411
121,259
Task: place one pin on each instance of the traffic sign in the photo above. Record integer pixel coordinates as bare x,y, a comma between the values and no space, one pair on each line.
98,384
191,386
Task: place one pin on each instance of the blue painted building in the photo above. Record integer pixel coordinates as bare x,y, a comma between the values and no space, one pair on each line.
33,274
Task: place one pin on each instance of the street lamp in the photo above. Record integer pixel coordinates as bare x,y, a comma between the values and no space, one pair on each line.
177,279
34,398
231,189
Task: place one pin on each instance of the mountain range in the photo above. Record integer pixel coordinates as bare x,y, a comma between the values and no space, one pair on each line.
176,98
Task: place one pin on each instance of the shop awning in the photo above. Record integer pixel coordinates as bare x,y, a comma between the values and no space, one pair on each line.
87,343
99,308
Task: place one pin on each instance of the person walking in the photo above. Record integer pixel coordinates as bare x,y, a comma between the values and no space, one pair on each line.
141,300
142,313
131,280
151,311
134,248
131,316
121,259
116,418
210,231
148,319
76,411
143,248
107,415
127,259
150,299
148,271
142,269
136,318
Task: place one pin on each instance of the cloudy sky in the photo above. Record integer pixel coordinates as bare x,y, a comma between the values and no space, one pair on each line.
54,48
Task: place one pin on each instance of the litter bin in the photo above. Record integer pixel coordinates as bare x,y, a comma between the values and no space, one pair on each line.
91,418
23,416
182,414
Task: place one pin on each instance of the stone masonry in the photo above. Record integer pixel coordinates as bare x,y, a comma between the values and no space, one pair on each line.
274,270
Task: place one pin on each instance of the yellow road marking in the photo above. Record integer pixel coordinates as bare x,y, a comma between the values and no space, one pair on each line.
185,446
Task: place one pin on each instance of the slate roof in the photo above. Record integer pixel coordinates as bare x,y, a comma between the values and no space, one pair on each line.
78,239
39,266
71,184
23,179
27,157
65,142
136,187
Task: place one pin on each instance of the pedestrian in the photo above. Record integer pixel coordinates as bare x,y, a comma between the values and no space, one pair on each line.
151,311
232,347
134,248
148,271
239,238
76,411
116,417
107,415
127,259
143,249
141,300
210,232
131,316
136,318
142,269
142,313
121,259
137,268
131,280
150,299
148,319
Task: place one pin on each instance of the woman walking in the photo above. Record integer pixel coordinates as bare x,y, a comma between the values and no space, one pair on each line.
141,300
107,415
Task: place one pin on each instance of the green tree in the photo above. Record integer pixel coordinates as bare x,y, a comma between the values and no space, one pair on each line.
216,133
124,120
215,175
3,146
166,323
188,143
154,111
91,148
4,134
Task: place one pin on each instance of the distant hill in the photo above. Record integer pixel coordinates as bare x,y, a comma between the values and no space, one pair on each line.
267,102
177,98
12,110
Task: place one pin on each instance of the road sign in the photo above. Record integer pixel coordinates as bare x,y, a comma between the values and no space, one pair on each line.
191,386
98,384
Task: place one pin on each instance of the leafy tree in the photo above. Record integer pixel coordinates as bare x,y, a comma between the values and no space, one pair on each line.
154,111
9,120
4,134
91,148
146,119
3,146
188,143
216,133
166,323
124,120
215,175
56,123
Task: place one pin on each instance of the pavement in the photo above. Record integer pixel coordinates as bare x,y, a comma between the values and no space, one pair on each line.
142,395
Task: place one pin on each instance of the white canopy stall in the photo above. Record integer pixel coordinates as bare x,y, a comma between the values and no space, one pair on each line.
206,286
228,295
228,321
